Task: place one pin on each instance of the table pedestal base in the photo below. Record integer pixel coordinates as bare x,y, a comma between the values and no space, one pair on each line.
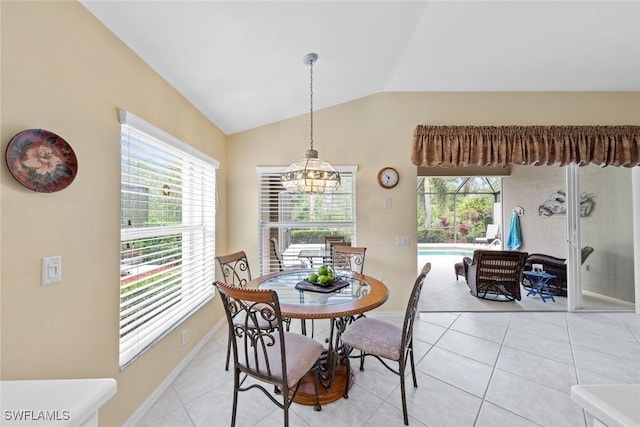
307,395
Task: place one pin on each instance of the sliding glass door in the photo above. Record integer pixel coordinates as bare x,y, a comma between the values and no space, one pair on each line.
601,242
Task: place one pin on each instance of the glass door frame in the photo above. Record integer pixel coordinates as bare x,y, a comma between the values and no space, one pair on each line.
574,273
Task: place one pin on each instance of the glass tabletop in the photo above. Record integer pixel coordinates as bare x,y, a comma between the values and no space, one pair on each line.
363,293
284,285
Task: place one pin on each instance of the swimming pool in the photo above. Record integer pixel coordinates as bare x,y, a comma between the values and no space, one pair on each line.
454,252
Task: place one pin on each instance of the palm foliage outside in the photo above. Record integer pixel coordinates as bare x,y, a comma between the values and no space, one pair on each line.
455,209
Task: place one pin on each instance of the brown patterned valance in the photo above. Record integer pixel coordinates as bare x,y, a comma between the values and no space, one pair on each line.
526,145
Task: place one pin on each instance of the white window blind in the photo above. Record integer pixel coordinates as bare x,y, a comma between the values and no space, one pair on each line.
301,221
167,241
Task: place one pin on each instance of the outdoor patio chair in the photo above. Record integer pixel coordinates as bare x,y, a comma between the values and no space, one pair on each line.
387,342
331,241
275,251
267,355
495,275
491,234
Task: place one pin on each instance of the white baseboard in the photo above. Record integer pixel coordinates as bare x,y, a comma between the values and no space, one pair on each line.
164,385
613,301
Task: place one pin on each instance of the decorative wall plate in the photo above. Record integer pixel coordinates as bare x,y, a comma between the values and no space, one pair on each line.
41,160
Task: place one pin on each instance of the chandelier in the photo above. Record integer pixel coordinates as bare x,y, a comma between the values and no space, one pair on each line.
311,174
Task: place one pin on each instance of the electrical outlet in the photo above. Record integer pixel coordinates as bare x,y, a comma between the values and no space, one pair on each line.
185,337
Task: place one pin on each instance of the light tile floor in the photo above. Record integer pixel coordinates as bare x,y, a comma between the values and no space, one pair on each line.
488,369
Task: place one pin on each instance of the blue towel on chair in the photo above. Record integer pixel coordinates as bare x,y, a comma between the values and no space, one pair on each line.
515,236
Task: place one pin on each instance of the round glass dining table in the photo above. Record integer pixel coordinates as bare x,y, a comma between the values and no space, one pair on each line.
363,293
360,294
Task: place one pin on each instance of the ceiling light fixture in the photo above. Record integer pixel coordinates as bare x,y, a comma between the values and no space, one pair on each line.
310,175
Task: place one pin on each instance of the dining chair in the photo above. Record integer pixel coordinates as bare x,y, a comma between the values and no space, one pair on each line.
349,258
387,342
234,268
268,355
235,271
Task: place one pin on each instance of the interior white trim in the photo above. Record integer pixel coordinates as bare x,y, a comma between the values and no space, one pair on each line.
574,282
635,189
130,119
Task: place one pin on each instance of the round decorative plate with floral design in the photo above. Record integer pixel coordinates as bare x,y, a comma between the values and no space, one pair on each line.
41,161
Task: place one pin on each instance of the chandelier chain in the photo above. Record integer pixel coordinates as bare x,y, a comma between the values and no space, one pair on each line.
310,175
311,100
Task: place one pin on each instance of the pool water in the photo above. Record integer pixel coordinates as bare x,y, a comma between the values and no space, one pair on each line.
428,252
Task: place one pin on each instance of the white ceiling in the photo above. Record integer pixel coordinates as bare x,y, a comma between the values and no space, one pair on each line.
240,62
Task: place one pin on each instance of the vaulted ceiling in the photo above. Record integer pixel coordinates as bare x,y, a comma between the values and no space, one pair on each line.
240,62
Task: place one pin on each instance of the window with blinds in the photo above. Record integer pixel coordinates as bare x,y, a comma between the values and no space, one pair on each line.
167,241
289,223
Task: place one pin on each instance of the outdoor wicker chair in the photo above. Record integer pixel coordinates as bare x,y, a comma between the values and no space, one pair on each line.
495,275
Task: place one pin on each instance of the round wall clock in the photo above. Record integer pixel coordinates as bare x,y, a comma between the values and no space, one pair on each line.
41,161
388,177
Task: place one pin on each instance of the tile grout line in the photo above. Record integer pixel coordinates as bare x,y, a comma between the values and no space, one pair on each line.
439,338
575,364
493,369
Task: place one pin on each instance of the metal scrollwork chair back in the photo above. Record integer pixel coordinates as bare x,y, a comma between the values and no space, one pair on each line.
349,258
388,342
235,272
234,268
267,354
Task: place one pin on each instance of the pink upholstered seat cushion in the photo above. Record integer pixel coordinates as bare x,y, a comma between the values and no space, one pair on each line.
301,352
374,336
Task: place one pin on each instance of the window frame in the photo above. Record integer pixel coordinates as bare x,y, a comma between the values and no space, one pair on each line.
183,248
268,263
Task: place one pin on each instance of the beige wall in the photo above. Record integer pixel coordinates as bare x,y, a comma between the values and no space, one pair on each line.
377,131
64,72
528,187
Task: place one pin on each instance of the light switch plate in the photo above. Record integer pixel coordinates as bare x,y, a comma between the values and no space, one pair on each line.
402,241
51,270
